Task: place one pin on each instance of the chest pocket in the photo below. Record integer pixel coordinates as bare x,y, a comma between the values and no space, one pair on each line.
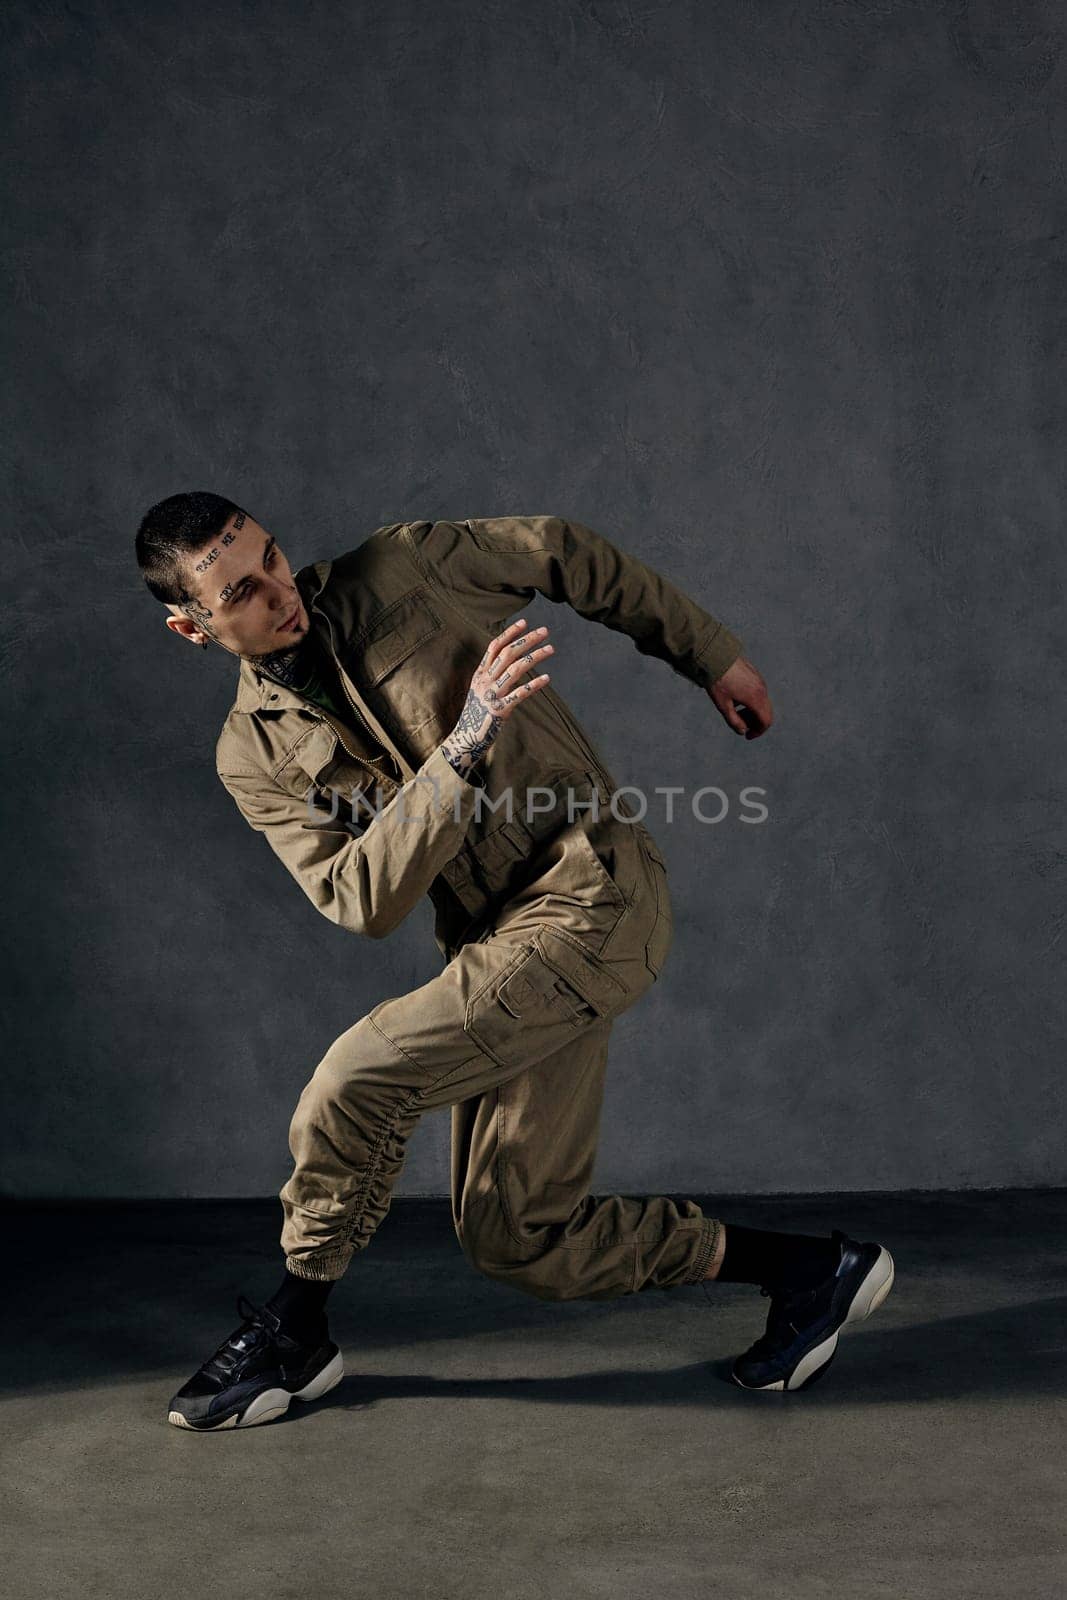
342,787
413,671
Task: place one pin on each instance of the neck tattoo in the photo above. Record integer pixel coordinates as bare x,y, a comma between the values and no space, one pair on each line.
290,666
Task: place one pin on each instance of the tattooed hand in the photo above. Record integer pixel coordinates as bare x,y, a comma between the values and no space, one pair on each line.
495,692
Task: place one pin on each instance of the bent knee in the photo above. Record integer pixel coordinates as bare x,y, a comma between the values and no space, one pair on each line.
526,1274
529,1264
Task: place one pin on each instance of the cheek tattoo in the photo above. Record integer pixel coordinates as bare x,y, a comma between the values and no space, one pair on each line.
199,612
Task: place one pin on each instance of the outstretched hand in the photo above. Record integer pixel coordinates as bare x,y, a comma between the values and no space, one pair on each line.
496,692
741,695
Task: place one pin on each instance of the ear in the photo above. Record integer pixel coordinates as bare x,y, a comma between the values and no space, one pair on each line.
187,628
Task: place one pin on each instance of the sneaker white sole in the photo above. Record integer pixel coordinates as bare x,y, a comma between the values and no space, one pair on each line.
273,1402
868,1297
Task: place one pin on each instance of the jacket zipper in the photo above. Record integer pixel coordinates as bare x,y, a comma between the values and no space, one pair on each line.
324,716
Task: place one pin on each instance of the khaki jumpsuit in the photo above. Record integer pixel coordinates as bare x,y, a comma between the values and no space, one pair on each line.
552,915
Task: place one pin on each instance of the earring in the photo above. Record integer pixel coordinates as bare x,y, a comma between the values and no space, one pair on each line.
203,644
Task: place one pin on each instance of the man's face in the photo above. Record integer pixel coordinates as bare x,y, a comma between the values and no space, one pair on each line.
241,592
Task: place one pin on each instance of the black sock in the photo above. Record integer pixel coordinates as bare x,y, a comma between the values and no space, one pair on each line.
300,1303
777,1260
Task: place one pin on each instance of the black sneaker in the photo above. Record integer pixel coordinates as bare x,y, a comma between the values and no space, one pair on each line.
800,1340
252,1377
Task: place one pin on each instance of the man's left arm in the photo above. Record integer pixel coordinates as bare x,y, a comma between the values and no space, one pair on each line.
484,558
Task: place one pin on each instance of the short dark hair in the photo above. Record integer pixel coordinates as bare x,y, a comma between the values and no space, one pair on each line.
174,529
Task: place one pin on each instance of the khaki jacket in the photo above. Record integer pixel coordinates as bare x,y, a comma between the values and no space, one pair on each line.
367,815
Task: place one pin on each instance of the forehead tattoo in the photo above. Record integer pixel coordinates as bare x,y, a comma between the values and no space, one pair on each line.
227,538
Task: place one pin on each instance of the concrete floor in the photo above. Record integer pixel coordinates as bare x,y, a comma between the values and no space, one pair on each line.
489,1446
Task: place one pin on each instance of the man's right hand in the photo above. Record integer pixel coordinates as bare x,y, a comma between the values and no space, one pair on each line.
495,692
740,694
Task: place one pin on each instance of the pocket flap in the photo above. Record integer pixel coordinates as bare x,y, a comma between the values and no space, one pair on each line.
312,754
393,636
582,970
531,982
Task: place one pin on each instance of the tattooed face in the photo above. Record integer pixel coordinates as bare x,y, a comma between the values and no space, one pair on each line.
240,592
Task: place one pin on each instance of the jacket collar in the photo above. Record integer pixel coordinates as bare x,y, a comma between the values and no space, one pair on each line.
257,692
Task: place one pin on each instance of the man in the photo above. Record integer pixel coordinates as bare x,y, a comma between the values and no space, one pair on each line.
392,676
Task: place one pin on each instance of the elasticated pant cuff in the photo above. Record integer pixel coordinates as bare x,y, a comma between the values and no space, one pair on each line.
709,1242
325,1267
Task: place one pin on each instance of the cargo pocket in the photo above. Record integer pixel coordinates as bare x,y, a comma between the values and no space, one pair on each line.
540,1000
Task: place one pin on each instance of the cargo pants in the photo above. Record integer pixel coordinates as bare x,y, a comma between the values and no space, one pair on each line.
513,1035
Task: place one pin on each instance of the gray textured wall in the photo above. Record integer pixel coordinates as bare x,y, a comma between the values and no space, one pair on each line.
770,294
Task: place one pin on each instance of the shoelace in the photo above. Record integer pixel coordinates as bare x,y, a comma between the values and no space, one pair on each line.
783,1301
779,1318
256,1330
